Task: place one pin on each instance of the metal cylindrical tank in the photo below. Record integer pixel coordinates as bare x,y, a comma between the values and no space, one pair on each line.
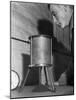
41,50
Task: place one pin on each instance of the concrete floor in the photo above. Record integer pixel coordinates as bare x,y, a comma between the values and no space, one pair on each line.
39,91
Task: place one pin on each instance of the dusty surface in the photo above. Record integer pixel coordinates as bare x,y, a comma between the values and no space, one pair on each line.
38,91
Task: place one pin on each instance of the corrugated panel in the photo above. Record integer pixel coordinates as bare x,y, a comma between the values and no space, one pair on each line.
62,39
67,38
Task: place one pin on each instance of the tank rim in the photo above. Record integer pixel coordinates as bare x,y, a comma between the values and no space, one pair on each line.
47,36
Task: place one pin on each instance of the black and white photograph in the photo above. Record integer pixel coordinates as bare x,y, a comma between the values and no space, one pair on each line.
41,49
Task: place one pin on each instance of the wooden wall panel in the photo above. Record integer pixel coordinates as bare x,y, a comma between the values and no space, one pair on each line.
20,60
18,50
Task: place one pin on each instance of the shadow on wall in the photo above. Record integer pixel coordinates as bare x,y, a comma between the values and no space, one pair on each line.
33,75
45,27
